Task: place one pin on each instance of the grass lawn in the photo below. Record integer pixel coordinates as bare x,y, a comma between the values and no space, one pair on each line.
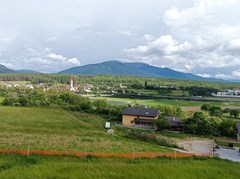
15,166
57,129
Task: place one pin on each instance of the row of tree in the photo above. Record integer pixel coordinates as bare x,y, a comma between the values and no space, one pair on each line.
203,124
66,100
218,112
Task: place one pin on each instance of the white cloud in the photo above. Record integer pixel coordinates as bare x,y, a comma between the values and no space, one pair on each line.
56,57
45,60
205,75
124,33
236,73
73,61
223,76
6,64
163,45
187,35
148,37
204,35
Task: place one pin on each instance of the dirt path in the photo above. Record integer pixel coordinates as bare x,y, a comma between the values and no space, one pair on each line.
196,145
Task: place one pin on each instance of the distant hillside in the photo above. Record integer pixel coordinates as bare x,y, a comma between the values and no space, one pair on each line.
131,69
4,69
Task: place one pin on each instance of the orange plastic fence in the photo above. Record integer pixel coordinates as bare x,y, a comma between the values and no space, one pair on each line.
104,154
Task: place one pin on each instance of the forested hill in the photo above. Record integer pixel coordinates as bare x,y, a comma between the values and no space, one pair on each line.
132,69
4,69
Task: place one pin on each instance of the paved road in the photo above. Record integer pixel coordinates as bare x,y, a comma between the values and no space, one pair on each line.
230,154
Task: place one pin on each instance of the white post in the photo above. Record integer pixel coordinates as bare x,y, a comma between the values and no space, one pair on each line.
175,154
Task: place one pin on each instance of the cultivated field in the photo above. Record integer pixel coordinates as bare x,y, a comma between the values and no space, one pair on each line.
186,105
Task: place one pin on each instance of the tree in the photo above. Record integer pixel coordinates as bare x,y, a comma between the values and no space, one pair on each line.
227,128
162,123
216,112
201,124
100,106
206,107
235,113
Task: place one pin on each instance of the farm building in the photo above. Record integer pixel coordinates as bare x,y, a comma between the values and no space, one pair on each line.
175,123
139,117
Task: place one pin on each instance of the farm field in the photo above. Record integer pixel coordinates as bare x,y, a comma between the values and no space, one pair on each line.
172,102
13,166
57,129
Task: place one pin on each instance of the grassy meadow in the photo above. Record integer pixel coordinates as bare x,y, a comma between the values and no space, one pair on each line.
57,129
16,166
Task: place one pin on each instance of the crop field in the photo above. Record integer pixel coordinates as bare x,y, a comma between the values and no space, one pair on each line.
172,102
57,129
14,166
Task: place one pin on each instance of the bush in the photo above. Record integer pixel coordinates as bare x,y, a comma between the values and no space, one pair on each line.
152,138
230,144
162,124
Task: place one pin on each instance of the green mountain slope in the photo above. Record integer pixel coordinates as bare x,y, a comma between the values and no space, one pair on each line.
131,69
4,69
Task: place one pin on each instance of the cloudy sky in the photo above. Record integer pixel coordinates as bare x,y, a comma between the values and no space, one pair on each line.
196,36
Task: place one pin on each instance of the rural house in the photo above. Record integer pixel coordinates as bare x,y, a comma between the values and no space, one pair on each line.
238,129
139,117
175,123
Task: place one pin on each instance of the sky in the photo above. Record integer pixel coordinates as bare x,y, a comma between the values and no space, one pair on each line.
194,36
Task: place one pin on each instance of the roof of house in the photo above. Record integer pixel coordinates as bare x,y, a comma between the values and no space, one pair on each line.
174,121
145,112
238,126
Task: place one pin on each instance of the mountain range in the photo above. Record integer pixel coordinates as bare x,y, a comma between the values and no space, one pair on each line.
4,69
132,69
122,68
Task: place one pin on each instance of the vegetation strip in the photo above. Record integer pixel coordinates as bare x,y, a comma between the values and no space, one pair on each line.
104,154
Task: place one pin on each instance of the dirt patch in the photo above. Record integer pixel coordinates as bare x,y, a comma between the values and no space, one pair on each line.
191,108
196,145
230,107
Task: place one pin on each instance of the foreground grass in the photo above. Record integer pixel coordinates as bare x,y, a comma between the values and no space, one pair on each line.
57,129
15,166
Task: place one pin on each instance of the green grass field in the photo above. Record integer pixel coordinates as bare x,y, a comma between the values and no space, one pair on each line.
154,102
15,166
171,102
56,129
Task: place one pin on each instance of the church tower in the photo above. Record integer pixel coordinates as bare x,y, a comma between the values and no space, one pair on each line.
71,84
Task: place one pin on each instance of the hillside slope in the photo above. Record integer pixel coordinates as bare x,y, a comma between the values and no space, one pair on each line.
4,69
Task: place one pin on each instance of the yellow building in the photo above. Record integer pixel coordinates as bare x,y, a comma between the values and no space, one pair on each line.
139,117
